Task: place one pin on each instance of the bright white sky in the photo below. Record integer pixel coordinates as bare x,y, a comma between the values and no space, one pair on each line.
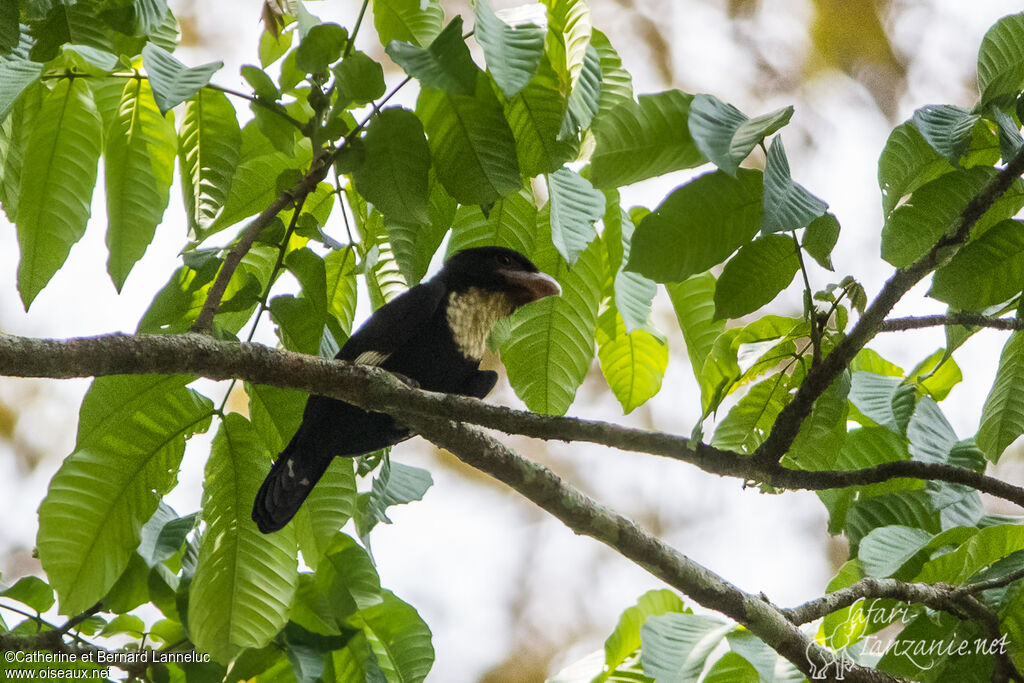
471,558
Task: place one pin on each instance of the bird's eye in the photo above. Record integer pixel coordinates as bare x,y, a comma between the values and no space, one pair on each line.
504,260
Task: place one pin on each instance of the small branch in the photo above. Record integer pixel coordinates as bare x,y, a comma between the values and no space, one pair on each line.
988,584
938,596
809,310
787,425
272,107
950,319
355,30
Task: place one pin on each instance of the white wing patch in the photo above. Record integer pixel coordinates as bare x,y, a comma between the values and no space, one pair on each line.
372,357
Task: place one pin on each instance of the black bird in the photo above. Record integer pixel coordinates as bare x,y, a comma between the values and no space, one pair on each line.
434,334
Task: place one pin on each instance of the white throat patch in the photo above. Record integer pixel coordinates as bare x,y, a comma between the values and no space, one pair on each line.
472,315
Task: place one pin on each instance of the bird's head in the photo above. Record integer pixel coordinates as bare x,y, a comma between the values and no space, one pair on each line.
498,269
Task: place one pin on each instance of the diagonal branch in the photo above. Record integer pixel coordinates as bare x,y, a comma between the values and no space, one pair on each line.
819,378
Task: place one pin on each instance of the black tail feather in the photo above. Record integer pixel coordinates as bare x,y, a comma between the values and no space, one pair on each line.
292,477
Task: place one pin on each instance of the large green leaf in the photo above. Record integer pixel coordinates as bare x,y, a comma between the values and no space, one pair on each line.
932,209
394,174
512,52
907,162
757,274
511,222
396,484
209,150
694,304
575,207
988,271
633,293
976,553
342,287
413,21
551,342
823,433
15,131
697,226
639,140
399,638
787,204
60,158
1001,59
885,550
725,135
750,420
624,641
535,115
570,27
633,363
616,82
131,436
330,504
244,583
886,401
17,71
414,244
947,128
138,165
320,47
172,81
1002,418
584,97
445,65
472,146
675,646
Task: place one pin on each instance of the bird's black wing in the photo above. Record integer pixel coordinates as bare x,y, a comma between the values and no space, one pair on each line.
330,427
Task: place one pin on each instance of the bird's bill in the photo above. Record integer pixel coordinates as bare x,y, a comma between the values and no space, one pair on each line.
532,286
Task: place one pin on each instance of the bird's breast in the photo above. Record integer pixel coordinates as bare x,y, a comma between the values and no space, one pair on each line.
472,315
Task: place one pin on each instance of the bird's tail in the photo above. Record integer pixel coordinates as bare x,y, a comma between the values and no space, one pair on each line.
283,491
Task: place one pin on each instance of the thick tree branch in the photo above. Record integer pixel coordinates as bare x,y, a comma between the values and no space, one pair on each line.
819,378
950,319
375,389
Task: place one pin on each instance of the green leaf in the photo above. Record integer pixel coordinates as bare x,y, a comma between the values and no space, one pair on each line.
341,287
878,398
445,65
986,272
17,72
712,216
633,292
1002,418
570,27
584,97
131,436
732,668
359,79
947,128
1010,140
575,206
1001,59
725,135
473,149
907,162
823,434
394,175
551,342
243,587
320,47
616,82
625,639
60,157
172,81
413,21
757,274
511,222
397,484
31,591
633,363
535,116
636,141
512,52
886,549
977,552
914,227
164,534
820,238
209,151
330,504
15,131
787,204
261,83
139,163
399,638
750,420
694,304
904,508
414,244
675,646
347,578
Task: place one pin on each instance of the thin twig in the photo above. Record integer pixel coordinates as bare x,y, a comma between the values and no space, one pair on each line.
949,320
